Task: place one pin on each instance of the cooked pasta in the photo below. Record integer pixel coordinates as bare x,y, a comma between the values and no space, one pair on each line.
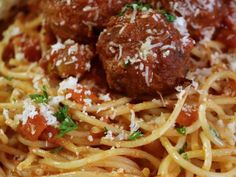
88,131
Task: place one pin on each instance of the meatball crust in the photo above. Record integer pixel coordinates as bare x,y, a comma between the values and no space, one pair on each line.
76,19
202,16
227,32
230,14
143,54
68,59
155,4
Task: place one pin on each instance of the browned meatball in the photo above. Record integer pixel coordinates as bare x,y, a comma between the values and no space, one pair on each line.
230,15
155,4
75,19
144,53
68,59
203,16
227,32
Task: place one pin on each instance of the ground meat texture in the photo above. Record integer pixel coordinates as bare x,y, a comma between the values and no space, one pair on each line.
76,19
227,36
227,32
203,16
155,4
68,59
143,53
230,13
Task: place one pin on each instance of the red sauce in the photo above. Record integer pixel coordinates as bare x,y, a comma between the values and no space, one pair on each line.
228,37
33,128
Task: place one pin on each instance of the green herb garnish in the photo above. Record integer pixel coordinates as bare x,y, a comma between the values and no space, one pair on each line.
135,135
62,113
169,17
181,130
40,98
57,149
105,130
134,6
185,156
67,124
182,150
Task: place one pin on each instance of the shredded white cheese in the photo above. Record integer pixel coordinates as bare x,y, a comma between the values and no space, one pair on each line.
56,47
105,97
29,111
90,138
48,114
69,83
133,125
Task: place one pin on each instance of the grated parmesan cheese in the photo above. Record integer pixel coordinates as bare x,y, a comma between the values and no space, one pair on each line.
56,47
68,95
122,136
90,138
73,49
29,111
54,101
87,101
69,83
146,48
133,125
207,33
181,92
109,135
105,97
181,25
47,113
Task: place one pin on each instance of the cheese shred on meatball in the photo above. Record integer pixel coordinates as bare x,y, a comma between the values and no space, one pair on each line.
144,52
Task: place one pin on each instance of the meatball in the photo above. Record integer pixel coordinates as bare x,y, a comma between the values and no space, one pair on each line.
203,16
68,59
155,4
144,53
230,14
76,19
227,33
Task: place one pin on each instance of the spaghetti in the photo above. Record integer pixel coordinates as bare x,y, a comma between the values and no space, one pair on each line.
113,135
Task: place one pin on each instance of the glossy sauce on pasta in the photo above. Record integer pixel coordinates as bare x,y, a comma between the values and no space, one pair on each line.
119,88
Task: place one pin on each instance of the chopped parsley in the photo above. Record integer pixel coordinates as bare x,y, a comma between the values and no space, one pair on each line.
62,113
135,135
134,6
9,78
182,150
57,149
105,130
40,98
67,124
181,130
185,156
169,17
